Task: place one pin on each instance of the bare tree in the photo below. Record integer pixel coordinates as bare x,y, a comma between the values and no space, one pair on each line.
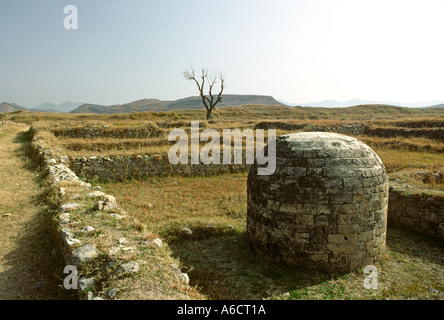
211,100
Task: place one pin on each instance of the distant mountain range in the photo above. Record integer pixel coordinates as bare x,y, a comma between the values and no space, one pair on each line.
356,102
142,105
44,107
196,103
180,104
436,106
10,107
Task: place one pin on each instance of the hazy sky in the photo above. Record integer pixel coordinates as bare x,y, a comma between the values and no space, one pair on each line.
297,50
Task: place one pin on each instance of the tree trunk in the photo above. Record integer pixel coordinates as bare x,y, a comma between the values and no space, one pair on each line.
208,114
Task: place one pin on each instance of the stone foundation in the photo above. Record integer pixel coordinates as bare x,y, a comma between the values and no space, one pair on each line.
434,133
141,167
419,212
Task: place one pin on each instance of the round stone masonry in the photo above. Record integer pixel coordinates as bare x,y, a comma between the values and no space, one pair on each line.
325,206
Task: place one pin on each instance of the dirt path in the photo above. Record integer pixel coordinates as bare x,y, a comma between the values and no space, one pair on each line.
27,265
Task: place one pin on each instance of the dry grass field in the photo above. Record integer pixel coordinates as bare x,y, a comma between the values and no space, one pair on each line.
28,270
203,218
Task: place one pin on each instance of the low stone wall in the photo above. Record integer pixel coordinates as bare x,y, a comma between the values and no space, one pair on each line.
60,175
138,167
420,212
109,132
349,129
436,133
155,131
79,244
7,124
435,123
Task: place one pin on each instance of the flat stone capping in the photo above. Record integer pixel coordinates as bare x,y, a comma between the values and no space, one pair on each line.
325,206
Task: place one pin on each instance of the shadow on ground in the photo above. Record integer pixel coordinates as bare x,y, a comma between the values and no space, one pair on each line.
33,270
415,244
222,266
33,265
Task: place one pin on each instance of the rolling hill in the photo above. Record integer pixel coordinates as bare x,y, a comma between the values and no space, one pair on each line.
195,103
437,106
180,104
356,102
10,107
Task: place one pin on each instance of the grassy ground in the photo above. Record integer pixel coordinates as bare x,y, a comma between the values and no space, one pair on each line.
404,144
184,202
419,180
28,269
395,160
221,266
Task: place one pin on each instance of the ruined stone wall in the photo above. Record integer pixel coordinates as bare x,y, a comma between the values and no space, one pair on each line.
139,167
8,123
81,210
420,212
436,133
423,213
108,132
348,129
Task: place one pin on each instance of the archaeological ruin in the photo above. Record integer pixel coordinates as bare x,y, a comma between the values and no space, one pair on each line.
324,208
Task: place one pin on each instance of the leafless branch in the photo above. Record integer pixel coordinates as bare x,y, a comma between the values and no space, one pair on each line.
209,102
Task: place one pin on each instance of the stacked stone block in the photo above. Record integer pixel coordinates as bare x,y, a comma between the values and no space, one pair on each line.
120,168
325,206
433,133
110,132
351,129
419,212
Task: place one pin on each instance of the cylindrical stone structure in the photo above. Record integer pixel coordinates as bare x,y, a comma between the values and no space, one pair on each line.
325,206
